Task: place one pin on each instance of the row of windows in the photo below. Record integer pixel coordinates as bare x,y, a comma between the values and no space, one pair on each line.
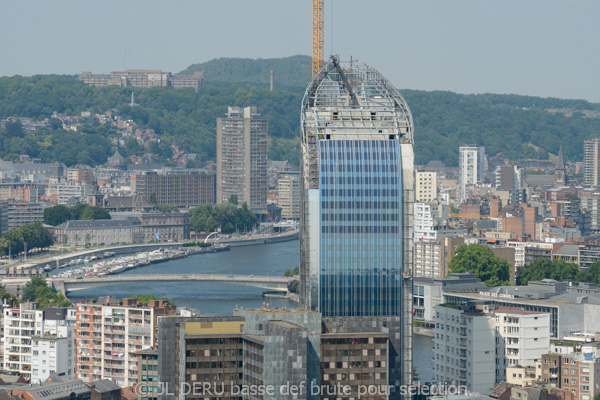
359,217
359,229
214,341
213,364
356,168
387,179
372,144
359,192
354,205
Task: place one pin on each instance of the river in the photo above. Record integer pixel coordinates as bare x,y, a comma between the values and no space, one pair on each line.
271,259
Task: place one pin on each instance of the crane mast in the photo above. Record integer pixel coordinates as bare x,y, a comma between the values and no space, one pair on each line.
318,36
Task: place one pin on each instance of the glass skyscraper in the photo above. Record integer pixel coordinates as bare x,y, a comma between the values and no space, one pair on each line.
357,198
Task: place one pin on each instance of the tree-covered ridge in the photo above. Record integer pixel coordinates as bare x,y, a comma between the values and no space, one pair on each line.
517,126
294,71
181,116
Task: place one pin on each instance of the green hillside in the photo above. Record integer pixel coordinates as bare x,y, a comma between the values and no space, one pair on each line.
289,72
517,126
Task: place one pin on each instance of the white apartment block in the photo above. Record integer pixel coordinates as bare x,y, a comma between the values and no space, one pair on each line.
288,187
424,229
108,336
464,348
522,338
69,190
429,218
519,251
426,189
22,324
427,260
471,168
53,354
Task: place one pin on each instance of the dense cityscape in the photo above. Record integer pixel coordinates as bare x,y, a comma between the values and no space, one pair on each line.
294,228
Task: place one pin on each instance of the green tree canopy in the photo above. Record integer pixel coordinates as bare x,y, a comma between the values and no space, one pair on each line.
29,291
60,213
34,236
56,215
480,260
559,270
231,219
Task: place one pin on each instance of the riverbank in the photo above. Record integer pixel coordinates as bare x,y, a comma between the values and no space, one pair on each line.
37,266
293,297
423,331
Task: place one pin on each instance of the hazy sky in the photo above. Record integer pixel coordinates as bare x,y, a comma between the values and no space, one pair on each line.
534,47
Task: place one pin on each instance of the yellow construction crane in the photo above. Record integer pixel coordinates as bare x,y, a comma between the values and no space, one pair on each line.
318,36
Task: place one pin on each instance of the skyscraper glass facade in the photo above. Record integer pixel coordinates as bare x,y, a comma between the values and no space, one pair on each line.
360,227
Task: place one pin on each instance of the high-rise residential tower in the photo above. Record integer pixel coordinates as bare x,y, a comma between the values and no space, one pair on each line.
591,162
242,158
471,168
357,197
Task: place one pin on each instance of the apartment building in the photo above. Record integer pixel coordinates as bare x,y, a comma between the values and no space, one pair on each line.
24,213
426,190
28,331
109,335
288,199
591,162
80,174
511,178
147,362
471,168
522,337
142,78
464,347
575,372
48,356
431,259
427,260
177,188
429,220
242,157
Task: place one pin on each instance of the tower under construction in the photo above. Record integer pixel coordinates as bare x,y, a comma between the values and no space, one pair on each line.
357,201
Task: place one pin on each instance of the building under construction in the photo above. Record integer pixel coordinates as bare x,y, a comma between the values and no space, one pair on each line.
357,201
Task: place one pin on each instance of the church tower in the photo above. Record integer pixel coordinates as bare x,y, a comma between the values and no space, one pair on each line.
560,172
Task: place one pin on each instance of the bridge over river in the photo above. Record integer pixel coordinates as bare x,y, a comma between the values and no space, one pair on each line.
69,285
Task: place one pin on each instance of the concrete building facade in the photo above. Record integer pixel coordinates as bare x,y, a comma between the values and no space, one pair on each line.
426,190
110,334
464,347
471,168
25,325
242,157
591,162
288,187
142,78
176,188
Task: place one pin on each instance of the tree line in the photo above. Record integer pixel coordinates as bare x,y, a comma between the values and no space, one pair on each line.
25,238
227,217
559,270
58,214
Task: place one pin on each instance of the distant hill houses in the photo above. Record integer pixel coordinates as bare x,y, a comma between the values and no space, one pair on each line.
145,78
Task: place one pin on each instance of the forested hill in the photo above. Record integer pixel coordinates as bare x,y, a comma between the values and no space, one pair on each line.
289,72
517,126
